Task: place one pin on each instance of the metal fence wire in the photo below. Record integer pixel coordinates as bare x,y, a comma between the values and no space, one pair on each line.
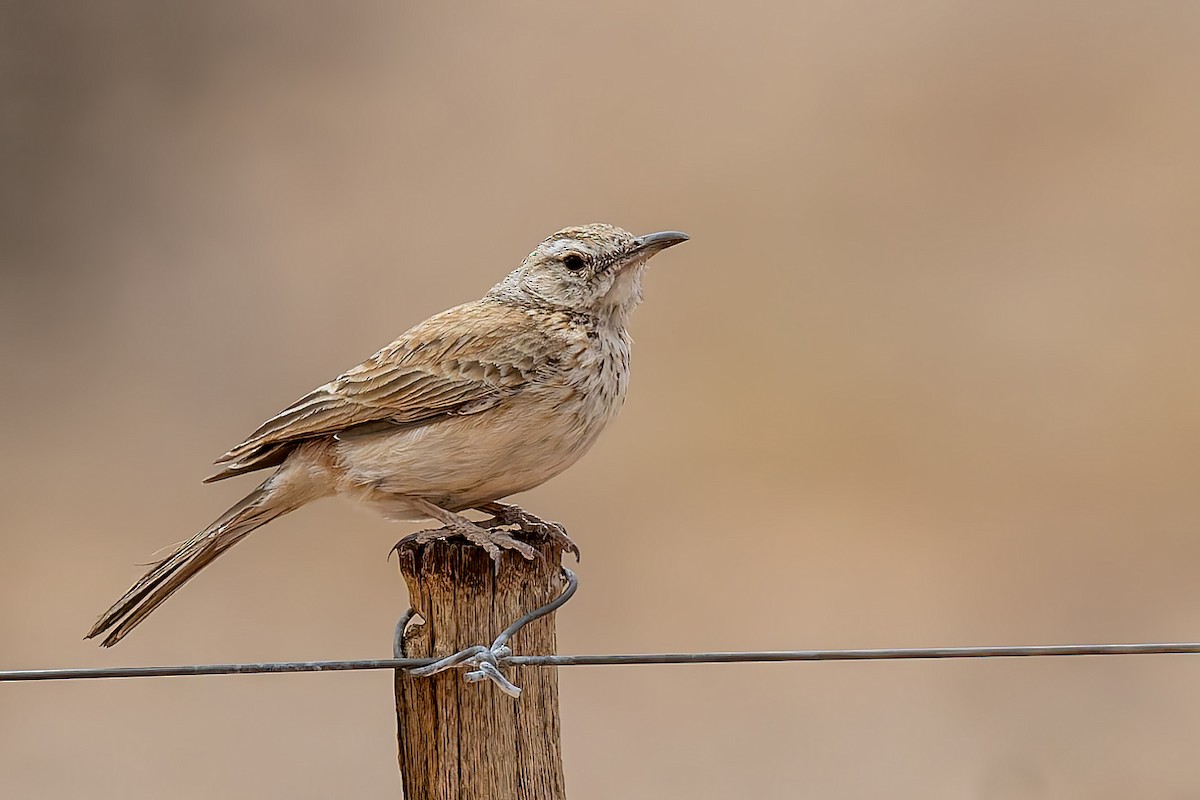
483,662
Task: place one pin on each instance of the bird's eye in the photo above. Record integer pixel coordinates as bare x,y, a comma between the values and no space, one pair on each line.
573,261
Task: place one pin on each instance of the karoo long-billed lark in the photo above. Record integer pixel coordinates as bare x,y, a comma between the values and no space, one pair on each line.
482,401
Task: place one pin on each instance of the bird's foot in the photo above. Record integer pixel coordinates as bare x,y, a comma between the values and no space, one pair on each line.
493,542
509,514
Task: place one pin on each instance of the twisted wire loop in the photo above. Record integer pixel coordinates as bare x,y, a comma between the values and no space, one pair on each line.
482,662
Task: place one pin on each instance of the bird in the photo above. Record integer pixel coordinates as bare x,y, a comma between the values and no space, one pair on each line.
484,400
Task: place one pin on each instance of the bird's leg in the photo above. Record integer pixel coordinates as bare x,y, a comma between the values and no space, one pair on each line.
492,541
509,514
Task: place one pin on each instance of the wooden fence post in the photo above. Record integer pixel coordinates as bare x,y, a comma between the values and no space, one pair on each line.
470,741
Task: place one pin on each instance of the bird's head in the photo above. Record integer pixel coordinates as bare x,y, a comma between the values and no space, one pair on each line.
593,269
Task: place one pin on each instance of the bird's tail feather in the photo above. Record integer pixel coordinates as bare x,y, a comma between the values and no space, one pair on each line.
255,509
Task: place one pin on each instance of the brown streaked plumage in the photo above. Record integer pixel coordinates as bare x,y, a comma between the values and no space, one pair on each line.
484,400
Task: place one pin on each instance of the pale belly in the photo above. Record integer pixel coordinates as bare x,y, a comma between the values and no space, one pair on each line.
462,462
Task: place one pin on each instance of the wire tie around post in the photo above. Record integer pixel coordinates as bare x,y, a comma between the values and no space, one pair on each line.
483,662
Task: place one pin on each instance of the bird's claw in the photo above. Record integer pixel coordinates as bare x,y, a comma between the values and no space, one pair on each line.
508,514
493,542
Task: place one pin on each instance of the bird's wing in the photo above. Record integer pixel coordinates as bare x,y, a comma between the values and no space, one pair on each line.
461,361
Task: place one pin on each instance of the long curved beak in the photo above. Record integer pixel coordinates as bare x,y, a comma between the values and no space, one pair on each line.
652,243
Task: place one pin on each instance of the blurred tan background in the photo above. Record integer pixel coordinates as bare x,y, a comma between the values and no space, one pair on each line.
927,374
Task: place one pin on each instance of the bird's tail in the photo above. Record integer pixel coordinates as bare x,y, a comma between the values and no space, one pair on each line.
254,510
